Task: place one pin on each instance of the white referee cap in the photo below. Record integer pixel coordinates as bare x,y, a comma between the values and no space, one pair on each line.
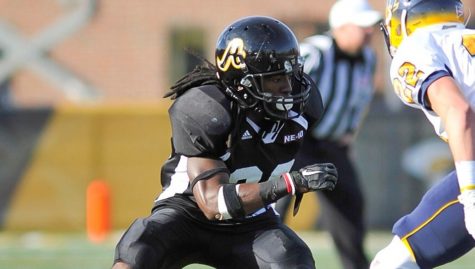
357,12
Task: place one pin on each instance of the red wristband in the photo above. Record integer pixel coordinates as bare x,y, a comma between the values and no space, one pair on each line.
288,182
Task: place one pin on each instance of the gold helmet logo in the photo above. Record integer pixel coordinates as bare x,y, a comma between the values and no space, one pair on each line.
233,55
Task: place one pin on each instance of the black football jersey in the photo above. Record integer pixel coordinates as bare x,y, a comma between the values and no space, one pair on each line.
254,148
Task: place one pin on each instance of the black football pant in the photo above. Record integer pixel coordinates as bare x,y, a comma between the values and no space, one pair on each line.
170,239
342,210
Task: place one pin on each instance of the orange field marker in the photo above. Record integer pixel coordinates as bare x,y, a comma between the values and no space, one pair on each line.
97,211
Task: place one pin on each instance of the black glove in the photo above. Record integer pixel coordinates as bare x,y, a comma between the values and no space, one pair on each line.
319,176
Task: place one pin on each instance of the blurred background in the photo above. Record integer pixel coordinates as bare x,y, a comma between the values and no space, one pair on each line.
81,86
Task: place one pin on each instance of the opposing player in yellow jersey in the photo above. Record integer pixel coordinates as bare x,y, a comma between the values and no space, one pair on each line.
433,69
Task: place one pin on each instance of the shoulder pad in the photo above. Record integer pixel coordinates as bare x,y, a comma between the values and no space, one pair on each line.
205,106
201,121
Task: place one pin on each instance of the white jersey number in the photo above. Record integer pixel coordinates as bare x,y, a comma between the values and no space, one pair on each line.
254,174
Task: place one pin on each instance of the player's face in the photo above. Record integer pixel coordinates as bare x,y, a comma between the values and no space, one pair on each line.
278,85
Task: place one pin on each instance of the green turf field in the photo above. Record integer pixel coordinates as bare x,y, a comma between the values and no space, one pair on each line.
34,250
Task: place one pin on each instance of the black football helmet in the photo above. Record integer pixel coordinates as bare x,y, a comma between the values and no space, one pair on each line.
252,48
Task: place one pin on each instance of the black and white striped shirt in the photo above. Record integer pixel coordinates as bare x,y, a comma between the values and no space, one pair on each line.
345,83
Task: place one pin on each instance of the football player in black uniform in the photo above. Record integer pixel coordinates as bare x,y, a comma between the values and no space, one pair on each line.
236,127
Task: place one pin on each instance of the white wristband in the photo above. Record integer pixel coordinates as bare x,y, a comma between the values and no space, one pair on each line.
466,174
222,208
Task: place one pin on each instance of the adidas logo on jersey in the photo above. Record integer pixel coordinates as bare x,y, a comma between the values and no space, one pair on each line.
246,135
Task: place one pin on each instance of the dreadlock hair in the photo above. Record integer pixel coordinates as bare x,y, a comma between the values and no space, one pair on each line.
204,74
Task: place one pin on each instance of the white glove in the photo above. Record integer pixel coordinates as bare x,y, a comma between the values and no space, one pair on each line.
467,199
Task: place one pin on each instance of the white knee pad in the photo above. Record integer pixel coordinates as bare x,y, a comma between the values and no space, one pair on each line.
394,256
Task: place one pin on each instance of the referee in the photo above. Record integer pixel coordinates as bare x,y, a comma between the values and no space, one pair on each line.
343,65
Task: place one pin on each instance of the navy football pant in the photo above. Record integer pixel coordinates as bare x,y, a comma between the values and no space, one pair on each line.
435,230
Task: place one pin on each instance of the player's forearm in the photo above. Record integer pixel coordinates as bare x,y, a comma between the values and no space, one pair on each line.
460,128
224,201
250,197
219,199
457,117
459,122
461,131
